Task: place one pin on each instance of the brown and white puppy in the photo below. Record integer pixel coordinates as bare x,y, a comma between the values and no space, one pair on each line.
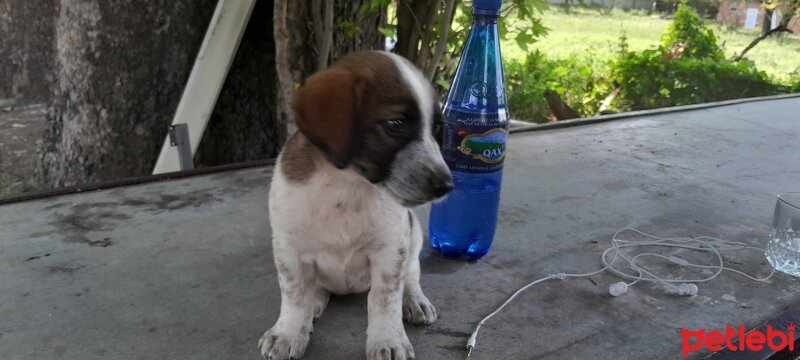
339,205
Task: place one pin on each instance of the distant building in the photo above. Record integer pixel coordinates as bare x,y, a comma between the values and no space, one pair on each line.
750,15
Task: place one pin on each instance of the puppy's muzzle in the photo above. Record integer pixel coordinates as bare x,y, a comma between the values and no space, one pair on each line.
441,182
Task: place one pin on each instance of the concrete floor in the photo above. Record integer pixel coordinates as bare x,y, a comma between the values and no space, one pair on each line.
183,269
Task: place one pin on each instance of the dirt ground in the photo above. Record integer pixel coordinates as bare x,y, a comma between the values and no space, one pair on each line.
21,128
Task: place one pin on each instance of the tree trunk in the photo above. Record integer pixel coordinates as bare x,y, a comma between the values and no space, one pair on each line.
295,43
284,70
27,30
766,25
558,107
365,37
244,125
120,69
415,20
441,46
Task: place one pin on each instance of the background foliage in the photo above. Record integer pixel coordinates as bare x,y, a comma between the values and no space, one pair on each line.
689,32
650,79
581,82
687,66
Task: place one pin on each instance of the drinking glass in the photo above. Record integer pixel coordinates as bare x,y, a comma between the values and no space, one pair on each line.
783,249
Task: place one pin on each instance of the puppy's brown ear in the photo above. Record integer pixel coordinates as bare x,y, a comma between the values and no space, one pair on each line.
324,109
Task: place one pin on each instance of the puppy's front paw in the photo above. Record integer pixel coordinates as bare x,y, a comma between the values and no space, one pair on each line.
276,345
321,297
417,309
382,348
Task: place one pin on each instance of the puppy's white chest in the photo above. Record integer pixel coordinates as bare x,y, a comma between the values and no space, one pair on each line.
338,242
333,213
334,224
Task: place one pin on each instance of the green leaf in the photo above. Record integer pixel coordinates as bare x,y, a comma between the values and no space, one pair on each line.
350,28
523,40
387,32
374,6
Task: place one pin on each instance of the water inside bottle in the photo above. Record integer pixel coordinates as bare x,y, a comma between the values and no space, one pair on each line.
465,221
783,251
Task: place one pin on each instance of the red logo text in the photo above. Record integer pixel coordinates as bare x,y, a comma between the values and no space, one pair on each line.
737,339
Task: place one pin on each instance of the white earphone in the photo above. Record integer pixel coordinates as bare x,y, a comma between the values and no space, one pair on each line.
618,289
682,287
687,289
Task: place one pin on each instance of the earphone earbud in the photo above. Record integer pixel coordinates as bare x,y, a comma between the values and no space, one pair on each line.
618,289
687,289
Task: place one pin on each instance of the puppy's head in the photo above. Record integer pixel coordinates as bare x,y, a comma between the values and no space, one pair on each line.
375,113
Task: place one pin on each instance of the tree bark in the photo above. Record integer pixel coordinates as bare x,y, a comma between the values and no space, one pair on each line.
558,107
27,31
412,27
120,69
244,125
766,25
323,29
441,46
296,53
284,71
367,37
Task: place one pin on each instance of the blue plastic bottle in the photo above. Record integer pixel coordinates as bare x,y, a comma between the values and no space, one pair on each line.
475,133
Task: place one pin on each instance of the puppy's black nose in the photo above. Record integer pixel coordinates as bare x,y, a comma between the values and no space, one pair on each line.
442,188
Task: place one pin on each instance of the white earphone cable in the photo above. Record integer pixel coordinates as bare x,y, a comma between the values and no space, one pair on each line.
684,286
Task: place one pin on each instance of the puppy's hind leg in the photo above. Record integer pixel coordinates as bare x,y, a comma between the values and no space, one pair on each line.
288,338
417,309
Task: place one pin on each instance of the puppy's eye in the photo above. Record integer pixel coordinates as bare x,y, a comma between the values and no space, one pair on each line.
395,126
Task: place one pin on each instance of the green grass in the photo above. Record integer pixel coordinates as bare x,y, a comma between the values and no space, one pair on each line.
584,32
778,58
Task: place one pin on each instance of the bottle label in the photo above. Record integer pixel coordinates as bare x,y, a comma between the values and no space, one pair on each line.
475,143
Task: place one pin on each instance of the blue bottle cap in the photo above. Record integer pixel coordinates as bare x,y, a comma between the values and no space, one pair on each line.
486,7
